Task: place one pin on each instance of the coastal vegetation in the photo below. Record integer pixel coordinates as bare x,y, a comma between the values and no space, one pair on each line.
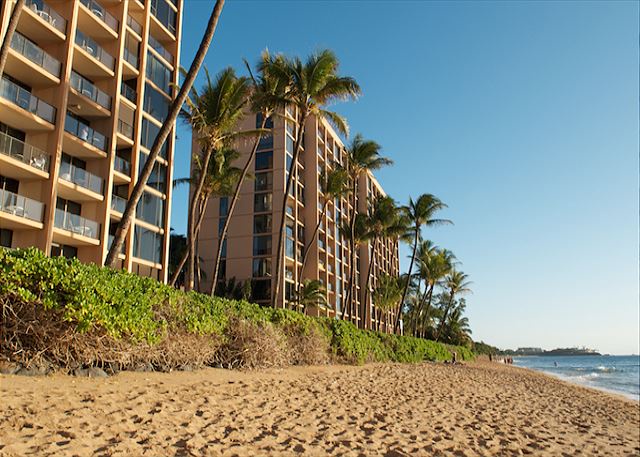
59,313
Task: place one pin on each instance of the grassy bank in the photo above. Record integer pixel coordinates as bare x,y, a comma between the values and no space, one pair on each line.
62,314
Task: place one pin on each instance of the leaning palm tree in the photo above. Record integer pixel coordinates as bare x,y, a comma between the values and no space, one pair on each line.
163,134
312,293
420,213
363,156
311,86
456,284
334,184
11,29
213,114
219,182
267,93
355,232
457,330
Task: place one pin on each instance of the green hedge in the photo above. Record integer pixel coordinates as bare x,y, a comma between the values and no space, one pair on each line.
144,310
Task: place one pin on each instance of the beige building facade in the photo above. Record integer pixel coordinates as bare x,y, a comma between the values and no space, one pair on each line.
85,89
251,244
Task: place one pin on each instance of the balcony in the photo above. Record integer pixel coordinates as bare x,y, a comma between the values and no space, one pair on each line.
22,161
118,204
129,93
93,16
78,184
24,110
164,16
42,22
125,134
18,212
134,25
122,167
75,230
31,64
82,140
131,58
99,102
160,50
91,59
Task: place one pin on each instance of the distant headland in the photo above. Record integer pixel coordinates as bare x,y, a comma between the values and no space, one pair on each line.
554,352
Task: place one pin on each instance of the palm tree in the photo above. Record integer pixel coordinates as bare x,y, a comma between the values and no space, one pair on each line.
213,115
219,181
312,293
386,295
267,92
456,284
11,29
355,232
362,156
163,134
457,330
311,85
334,185
384,222
419,213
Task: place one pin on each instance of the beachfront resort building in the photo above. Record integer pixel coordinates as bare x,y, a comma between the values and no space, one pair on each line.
251,244
85,89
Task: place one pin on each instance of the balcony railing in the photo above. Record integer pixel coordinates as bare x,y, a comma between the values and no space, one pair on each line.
134,25
76,224
125,129
122,165
131,57
23,152
165,14
101,13
89,90
35,54
85,133
118,203
21,206
157,46
81,177
47,14
129,93
23,98
93,48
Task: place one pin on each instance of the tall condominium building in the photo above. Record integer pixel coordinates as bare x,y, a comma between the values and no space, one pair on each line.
85,89
251,244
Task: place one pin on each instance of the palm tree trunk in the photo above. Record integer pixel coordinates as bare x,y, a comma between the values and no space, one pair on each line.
350,290
426,312
445,315
283,217
163,134
406,286
366,308
185,255
195,201
305,254
236,196
8,36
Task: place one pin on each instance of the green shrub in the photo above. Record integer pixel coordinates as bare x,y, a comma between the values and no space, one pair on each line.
143,311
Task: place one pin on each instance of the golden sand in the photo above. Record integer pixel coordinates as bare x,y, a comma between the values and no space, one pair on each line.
393,410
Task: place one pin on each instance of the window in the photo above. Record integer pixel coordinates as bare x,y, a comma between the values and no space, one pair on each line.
289,144
150,209
264,160
224,206
262,202
261,267
262,223
158,177
155,103
264,181
262,245
289,245
164,13
148,135
147,244
62,250
158,73
6,237
261,289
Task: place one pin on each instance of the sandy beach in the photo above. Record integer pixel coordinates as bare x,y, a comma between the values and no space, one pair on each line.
394,410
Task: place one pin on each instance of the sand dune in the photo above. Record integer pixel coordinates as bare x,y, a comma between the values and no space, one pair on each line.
393,410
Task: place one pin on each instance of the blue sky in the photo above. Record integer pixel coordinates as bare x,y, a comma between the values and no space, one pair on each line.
522,117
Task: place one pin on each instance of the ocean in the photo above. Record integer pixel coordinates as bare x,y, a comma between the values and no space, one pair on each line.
614,373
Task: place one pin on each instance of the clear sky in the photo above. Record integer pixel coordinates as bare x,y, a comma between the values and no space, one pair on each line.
521,116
